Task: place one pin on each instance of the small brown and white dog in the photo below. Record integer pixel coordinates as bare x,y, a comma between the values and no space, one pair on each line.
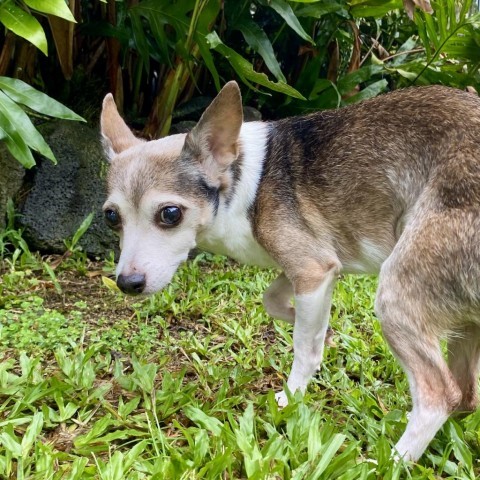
391,185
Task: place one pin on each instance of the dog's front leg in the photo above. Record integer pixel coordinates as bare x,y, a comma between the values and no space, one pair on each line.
313,294
277,302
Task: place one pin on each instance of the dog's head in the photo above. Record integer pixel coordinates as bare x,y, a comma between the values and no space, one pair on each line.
162,193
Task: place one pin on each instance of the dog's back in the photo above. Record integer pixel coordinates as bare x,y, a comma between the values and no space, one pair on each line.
358,172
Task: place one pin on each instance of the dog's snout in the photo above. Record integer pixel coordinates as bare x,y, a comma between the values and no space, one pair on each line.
131,284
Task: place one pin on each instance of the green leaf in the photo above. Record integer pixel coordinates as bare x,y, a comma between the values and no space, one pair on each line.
373,8
58,8
14,142
77,469
51,274
132,456
23,93
314,439
125,409
114,468
405,47
80,232
139,38
110,284
8,440
157,26
32,432
347,83
208,58
369,92
422,33
319,9
286,12
22,124
96,431
245,69
259,41
433,35
327,453
144,374
23,24
460,448
212,424
201,446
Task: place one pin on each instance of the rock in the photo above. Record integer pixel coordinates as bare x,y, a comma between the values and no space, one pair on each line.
182,127
192,109
251,114
11,178
64,194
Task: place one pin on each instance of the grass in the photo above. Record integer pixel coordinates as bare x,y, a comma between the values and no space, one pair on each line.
180,385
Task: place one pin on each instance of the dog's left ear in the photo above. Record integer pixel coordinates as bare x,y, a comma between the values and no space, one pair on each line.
214,140
116,135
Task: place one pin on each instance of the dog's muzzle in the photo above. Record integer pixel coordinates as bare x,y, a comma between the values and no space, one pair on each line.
131,284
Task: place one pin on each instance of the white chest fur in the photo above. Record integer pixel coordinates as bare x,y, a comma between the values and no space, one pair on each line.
231,233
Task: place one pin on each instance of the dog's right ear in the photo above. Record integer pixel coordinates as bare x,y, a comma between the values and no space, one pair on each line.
116,136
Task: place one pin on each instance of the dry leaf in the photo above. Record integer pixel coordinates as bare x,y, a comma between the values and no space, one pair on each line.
354,64
94,273
421,4
62,32
334,63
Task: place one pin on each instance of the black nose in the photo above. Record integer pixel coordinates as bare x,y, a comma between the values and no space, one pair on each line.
131,284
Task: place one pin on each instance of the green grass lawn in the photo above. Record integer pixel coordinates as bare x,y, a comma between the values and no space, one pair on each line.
181,385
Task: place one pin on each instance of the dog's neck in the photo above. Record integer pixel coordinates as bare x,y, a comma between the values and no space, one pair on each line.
230,233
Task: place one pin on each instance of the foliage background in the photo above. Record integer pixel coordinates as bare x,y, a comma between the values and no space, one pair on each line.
93,385
290,56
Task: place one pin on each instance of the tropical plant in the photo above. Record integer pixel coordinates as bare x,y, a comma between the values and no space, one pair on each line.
16,96
17,17
16,128
292,56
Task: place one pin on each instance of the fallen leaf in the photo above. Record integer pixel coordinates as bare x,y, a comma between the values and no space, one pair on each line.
94,273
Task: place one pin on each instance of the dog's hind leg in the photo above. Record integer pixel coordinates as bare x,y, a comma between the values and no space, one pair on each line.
277,299
407,327
464,362
435,393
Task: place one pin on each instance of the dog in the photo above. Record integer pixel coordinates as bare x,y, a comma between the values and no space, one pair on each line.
390,186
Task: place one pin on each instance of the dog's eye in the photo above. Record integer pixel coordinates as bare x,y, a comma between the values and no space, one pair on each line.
112,218
170,215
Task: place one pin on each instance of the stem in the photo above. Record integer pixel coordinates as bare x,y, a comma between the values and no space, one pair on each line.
438,51
406,52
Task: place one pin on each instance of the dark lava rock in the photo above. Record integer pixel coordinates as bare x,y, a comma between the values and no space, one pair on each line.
182,127
64,194
251,114
11,179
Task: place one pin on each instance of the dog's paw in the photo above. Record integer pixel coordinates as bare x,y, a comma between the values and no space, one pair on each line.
402,454
281,398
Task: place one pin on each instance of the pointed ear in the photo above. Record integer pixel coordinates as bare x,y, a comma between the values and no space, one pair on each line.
116,136
214,140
